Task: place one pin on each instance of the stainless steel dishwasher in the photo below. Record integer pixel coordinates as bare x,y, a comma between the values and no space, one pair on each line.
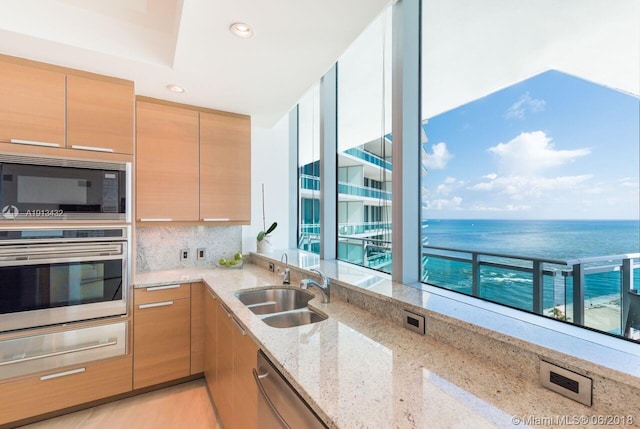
279,405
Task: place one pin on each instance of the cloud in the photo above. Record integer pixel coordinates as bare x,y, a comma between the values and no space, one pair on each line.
525,103
521,187
444,204
530,153
491,176
438,159
450,183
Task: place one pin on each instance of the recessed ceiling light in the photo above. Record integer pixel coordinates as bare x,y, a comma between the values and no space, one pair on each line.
241,29
175,88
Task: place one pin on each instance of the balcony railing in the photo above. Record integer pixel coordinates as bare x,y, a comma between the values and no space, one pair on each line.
597,293
367,252
345,229
368,157
312,183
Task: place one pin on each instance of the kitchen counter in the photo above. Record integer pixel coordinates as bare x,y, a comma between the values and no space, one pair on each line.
357,370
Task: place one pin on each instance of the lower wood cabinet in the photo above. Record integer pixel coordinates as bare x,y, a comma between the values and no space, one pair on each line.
63,388
234,390
210,336
197,327
161,335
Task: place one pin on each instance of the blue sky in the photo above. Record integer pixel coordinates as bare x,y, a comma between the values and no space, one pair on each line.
551,147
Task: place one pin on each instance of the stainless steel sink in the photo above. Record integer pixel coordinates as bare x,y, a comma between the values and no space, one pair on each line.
281,307
294,318
274,300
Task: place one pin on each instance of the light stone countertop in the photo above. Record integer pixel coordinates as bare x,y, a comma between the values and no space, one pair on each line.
358,370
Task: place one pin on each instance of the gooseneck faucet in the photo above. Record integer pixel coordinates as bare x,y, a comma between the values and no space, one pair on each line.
323,286
287,272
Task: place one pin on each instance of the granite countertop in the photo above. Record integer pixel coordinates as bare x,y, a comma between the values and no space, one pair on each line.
357,370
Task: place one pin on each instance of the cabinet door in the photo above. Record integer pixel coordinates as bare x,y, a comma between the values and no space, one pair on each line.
161,342
245,390
210,314
66,387
32,105
197,327
99,115
223,393
166,163
225,167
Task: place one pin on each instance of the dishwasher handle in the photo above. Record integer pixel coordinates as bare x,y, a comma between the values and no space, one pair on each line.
266,398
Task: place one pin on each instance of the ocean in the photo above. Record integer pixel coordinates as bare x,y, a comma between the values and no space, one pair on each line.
553,239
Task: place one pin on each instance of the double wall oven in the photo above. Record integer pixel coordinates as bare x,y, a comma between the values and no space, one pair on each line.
64,258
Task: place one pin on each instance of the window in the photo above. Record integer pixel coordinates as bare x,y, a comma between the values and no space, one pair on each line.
364,148
528,168
309,171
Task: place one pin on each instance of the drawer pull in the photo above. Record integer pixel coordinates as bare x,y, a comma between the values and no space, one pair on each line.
216,219
93,148
155,288
155,304
95,345
239,326
62,374
156,219
211,294
227,312
34,143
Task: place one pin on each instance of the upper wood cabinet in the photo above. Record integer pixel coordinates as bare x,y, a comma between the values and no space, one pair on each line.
225,167
32,105
166,163
100,115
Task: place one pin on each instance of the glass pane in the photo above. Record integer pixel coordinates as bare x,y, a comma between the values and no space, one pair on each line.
364,148
530,148
309,171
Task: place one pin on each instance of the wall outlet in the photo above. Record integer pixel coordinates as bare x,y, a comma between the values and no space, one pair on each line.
184,254
567,383
271,266
413,322
201,253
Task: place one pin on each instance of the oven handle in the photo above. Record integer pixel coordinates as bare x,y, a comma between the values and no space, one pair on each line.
22,253
92,346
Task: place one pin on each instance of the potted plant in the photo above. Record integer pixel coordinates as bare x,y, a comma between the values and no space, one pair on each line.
264,245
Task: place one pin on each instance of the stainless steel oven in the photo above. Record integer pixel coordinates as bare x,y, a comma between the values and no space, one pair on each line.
42,189
51,276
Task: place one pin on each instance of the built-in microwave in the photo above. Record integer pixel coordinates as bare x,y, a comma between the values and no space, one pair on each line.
44,189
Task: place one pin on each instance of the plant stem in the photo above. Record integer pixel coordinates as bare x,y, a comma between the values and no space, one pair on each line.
264,225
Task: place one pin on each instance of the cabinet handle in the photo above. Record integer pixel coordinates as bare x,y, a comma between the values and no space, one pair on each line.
155,219
264,394
211,294
239,326
227,312
35,143
216,219
62,374
155,304
155,288
95,345
93,148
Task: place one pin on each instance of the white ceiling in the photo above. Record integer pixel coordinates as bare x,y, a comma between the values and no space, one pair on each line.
188,43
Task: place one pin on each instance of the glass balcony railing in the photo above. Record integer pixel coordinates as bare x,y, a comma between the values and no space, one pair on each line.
346,229
362,191
600,293
311,183
368,157
367,252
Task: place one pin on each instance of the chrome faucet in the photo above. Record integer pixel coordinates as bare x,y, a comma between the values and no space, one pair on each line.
287,272
323,286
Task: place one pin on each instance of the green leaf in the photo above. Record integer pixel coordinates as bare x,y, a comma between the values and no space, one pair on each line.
272,227
261,235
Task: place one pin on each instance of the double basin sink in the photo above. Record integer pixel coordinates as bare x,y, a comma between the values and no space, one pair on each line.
281,307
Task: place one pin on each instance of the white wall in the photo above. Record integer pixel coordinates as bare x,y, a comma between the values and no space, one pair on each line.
269,165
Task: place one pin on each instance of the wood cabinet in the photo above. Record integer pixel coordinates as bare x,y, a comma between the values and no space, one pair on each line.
225,167
162,334
166,163
197,327
100,115
235,393
32,107
64,387
210,337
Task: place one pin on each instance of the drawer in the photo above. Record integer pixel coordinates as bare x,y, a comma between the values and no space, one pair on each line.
162,293
47,352
65,387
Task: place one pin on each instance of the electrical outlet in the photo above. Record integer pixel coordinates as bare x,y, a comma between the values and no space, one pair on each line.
184,254
271,266
200,253
567,383
414,322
